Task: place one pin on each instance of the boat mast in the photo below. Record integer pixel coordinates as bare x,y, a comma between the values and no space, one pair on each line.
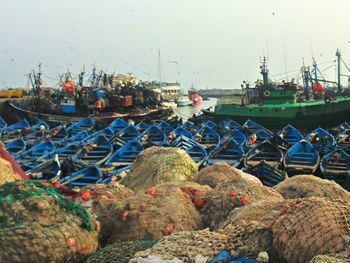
265,72
338,55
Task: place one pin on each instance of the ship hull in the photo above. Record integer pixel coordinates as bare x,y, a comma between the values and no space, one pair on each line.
301,115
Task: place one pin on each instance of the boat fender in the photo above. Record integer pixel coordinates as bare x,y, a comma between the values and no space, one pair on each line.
299,115
267,93
327,100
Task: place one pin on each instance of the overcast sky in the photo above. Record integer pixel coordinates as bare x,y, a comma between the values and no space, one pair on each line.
217,43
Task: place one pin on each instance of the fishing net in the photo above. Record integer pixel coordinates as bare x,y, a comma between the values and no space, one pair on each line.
249,238
93,195
187,246
40,225
343,257
230,195
160,165
263,212
302,186
220,173
149,215
309,227
6,172
120,252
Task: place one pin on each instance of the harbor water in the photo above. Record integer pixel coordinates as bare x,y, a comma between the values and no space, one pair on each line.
186,112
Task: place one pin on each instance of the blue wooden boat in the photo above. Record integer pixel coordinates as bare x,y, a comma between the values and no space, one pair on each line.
39,124
267,174
107,176
49,170
237,135
258,137
212,125
183,142
3,125
322,140
95,151
230,125
207,135
197,153
336,166
86,124
343,139
165,127
153,136
188,125
266,151
117,125
141,126
229,151
301,158
86,176
16,147
290,134
180,131
250,127
22,124
340,128
127,134
107,132
125,155
78,138
58,134
35,137
64,152
37,151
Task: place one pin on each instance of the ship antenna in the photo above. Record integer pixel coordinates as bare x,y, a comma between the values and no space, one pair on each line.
285,59
338,54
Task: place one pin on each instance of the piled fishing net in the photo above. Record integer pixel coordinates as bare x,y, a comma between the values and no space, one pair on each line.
249,238
150,215
160,165
221,172
263,212
6,172
121,252
302,186
93,195
342,257
187,246
230,195
40,225
309,227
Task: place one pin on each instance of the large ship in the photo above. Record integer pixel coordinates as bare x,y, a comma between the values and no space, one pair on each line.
275,105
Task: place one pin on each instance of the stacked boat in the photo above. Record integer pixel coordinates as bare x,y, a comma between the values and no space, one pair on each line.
84,152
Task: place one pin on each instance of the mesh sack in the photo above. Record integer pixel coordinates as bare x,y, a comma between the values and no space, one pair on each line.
230,195
309,227
221,172
186,246
342,257
40,225
148,215
120,252
302,186
249,238
158,165
6,172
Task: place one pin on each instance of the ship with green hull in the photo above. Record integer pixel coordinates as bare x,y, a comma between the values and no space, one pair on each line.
276,105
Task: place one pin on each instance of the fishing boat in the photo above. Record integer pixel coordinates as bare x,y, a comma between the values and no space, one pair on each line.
180,131
125,155
229,151
35,137
336,166
184,101
109,175
207,136
267,152
301,158
77,138
237,135
340,128
85,176
142,126
343,139
183,142
86,124
153,136
322,140
231,125
267,174
197,153
58,134
40,125
165,127
16,147
277,104
118,124
18,126
63,152
188,125
3,125
95,151
107,132
49,170
128,134
195,97
250,127
290,134
258,137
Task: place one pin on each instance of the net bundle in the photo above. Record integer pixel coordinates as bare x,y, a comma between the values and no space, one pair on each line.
40,225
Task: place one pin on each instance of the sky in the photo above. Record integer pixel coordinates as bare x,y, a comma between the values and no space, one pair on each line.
215,43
